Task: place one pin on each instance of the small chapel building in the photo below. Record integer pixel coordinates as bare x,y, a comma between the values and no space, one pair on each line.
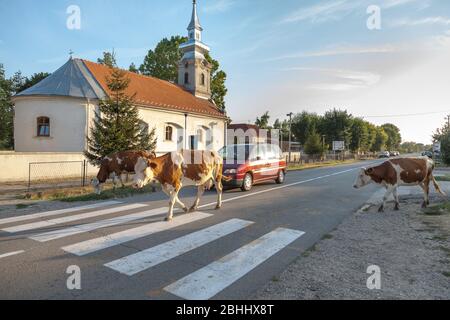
56,115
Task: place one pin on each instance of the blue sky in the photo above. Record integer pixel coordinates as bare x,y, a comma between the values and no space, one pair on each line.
280,56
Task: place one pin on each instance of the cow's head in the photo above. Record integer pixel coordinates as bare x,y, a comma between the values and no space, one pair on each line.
97,186
363,178
144,172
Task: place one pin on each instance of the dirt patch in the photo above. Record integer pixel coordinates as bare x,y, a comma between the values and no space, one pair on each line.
410,246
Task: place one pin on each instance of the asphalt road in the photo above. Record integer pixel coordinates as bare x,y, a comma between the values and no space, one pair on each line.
127,252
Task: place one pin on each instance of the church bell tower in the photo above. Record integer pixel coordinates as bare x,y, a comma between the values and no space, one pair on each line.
194,72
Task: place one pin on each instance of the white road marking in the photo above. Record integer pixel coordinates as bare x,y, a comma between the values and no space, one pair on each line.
11,254
56,212
48,223
151,257
210,280
62,233
277,188
90,246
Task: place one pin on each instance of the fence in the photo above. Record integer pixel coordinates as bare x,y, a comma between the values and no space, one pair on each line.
57,174
302,158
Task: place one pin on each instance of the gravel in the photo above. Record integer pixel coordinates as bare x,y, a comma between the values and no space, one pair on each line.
411,249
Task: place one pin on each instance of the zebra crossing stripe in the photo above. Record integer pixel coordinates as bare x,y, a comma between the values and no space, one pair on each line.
208,281
62,233
143,260
56,212
90,246
48,223
9,254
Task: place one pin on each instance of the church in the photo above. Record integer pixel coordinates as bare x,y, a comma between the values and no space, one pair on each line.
57,114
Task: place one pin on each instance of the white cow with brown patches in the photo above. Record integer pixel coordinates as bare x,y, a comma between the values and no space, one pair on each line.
400,172
177,169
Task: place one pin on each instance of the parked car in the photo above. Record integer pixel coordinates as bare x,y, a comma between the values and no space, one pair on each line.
394,153
428,154
384,154
250,164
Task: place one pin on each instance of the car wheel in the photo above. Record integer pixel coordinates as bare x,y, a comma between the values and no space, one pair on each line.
280,177
247,183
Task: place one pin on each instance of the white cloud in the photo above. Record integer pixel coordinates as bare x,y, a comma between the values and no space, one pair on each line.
322,12
342,80
337,51
395,3
218,6
424,21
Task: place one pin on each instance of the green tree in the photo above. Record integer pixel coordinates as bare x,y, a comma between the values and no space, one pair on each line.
133,68
109,59
162,63
336,126
6,112
359,135
313,144
394,137
380,140
283,126
218,79
263,122
445,147
303,125
20,83
117,126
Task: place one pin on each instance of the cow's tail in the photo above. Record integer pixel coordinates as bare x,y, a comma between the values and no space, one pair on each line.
437,187
219,168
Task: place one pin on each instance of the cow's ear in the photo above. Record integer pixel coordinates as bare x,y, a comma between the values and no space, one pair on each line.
369,171
152,165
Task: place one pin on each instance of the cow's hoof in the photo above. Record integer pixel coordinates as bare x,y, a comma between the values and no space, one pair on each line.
397,207
381,209
168,219
424,205
186,210
218,207
193,209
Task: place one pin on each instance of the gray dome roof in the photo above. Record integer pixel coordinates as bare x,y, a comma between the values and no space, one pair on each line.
73,79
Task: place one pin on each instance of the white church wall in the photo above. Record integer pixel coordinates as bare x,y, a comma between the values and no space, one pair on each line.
67,124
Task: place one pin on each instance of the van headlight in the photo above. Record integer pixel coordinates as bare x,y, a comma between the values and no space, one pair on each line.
230,171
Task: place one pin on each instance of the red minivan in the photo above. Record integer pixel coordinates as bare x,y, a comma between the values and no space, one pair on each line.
248,164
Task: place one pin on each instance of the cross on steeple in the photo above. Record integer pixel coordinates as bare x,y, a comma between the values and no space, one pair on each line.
71,54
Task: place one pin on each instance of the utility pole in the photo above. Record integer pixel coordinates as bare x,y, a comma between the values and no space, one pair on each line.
290,133
448,122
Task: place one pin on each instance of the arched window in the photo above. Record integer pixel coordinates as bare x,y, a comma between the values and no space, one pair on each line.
143,126
43,127
186,78
202,79
169,133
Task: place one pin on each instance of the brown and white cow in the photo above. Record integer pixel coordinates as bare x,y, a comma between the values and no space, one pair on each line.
400,172
113,166
182,168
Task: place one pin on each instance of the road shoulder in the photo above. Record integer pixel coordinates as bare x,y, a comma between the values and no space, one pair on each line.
411,248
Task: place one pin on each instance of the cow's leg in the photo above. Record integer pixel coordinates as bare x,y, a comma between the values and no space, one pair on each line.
200,191
166,190
397,201
219,189
121,181
426,192
389,190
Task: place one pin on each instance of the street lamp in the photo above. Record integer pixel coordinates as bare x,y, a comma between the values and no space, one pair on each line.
290,131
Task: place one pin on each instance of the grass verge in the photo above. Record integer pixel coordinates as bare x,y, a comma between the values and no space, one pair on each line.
297,167
86,194
442,178
438,210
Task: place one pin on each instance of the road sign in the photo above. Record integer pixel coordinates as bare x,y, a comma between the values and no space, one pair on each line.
338,145
437,147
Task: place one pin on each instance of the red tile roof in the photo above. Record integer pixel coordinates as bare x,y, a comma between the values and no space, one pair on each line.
153,92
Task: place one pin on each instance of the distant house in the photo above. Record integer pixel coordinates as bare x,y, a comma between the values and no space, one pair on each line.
56,115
